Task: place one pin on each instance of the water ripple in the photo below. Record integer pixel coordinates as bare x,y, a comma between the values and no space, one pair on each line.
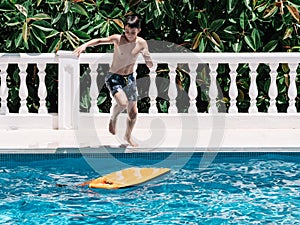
261,191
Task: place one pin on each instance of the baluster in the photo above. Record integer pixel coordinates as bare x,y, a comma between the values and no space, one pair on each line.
233,91
94,89
113,100
172,91
273,88
4,90
193,88
23,92
213,91
135,70
153,90
292,92
253,92
42,91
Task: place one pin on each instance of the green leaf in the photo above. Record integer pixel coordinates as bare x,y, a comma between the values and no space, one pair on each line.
202,19
101,98
216,24
248,4
56,19
104,28
196,40
250,43
67,6
42,25
231,4
123,3
34,43
118,28
270,46
25,32
117,12
288,32
169,10
81,34
202,45
18,40
85,102
294,2
70,20
13,22
266,85
231,30
39,35
22,9
6,6
158,21
52,34
158,8
256,38
41,16
237,46
270,11
242,20
79,9
53,1
55,46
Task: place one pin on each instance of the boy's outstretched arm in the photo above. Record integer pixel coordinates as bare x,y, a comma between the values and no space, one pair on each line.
146,55
94,42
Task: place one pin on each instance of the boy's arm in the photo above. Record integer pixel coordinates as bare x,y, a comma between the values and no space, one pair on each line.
94,42
146,54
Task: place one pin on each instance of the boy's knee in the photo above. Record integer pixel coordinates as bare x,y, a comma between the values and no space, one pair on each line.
132,114
123,104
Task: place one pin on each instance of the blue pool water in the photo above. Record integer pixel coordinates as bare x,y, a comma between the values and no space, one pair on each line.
224,188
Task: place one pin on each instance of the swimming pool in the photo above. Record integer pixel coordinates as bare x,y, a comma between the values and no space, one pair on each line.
232,188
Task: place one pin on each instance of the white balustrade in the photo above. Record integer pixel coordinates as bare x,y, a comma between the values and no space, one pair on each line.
172,91
273,88
193,88
253,92
68,89
292,92
23,92
42,91
4,90
113,100
68,100
94,89
213,90
153,90
233,91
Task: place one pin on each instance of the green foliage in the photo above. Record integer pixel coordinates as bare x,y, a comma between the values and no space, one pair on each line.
199,26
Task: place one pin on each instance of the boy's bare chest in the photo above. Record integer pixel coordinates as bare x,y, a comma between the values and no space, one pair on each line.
128,49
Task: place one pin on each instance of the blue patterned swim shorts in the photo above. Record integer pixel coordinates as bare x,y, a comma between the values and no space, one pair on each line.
127,83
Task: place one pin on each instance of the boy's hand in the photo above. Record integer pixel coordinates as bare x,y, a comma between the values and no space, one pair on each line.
79,50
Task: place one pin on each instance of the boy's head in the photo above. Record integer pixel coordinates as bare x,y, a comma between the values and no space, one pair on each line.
132,26
132,21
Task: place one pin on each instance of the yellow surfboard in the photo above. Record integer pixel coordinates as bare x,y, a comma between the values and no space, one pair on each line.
127,177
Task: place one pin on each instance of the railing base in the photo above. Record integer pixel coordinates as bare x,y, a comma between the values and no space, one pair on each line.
163,133
14,121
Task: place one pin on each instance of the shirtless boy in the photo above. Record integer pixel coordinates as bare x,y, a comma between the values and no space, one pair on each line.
120,80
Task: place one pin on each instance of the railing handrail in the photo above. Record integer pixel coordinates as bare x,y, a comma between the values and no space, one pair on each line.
189,57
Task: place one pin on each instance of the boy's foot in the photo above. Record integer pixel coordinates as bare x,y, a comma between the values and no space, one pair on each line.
130,142
112,126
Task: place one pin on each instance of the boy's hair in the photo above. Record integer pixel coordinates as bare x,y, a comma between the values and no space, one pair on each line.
133,21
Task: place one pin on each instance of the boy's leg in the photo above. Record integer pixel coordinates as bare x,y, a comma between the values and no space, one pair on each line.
121,105
131,119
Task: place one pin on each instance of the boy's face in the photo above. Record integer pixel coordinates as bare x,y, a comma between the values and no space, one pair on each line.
131,33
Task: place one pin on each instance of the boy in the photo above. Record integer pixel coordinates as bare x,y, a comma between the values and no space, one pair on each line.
120,80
